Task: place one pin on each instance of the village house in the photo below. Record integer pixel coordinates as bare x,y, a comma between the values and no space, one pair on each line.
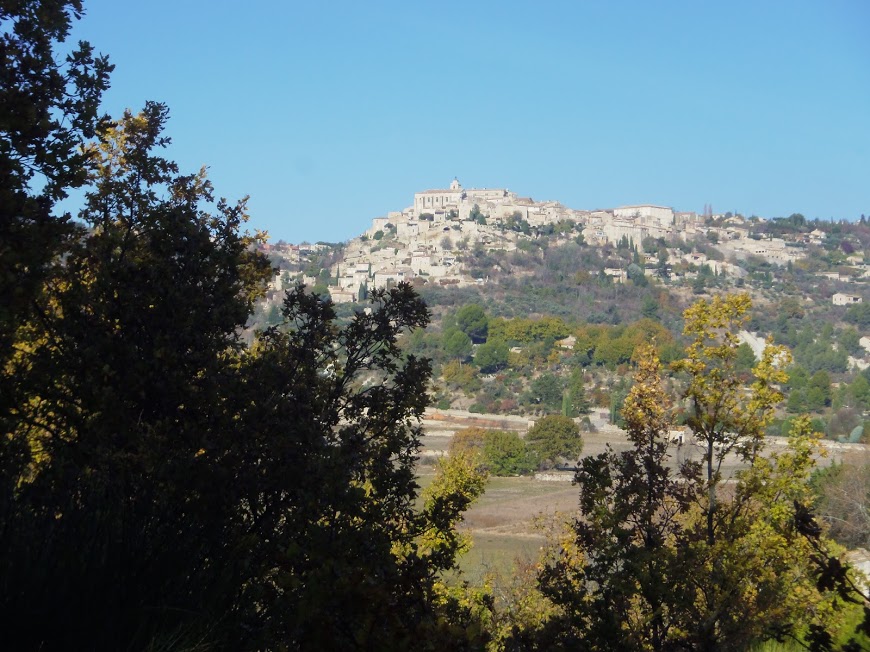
816,236
378,224
840,299
647,215
342,296
387,276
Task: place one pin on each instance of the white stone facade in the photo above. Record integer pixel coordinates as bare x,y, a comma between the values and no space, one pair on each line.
841,299
647,214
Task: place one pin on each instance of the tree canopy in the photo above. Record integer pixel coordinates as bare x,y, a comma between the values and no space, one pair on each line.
49,110
491,356
555,436
164,480
661,562
472,320
615,579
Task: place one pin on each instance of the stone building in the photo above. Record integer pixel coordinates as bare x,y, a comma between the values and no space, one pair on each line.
430,201
647,214
841,299
456,197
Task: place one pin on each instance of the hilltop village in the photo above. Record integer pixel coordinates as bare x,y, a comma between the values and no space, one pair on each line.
427,242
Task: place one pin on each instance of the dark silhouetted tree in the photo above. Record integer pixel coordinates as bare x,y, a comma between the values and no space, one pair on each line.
616,581
164,481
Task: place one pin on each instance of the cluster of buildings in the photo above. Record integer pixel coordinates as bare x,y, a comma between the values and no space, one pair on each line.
426,240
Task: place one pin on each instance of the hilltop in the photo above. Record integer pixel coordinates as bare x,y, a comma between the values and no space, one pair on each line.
581,288
470,238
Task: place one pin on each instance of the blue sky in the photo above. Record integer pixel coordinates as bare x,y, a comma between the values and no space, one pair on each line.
331,113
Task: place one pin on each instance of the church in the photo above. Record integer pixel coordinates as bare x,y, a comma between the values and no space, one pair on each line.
431,201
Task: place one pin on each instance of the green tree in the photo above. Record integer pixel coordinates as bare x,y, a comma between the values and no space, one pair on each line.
859,389
650,308
850,342
51,106
49,112
721,422
662,264
613,351
491,356
528,330
798,377
505,453
555,436
820,385
459,376
123,391
797,402
832,575
459,481
733,536
475,214
645,567
858,314
499,452
457,344
578,404
617,399
472,320
636,275
546,391
790,308
468,439
745,357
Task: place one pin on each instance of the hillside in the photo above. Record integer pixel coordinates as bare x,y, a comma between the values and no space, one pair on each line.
612,278
476,238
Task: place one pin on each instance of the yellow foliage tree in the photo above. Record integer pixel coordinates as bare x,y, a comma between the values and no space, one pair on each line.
748,575
702,560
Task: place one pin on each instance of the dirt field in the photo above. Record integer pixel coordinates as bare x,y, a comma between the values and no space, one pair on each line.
505,523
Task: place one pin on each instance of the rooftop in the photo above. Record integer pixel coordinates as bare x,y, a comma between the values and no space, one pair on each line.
667,208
